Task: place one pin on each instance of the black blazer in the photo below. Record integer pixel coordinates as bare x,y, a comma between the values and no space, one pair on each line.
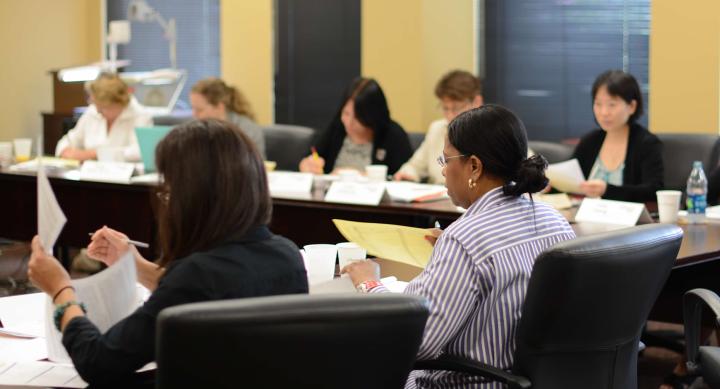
391,145
257,264
643,174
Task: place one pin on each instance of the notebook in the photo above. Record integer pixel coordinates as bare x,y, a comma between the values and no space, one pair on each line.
148,138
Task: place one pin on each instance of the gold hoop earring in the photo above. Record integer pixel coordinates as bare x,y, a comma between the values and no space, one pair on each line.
471,184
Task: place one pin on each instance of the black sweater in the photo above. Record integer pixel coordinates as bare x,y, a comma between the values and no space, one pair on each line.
643,173
257,264
391,145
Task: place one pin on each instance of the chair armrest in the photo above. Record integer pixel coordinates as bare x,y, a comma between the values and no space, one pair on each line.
693,303
462,365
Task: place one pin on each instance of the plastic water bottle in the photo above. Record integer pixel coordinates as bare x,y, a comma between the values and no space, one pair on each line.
696,194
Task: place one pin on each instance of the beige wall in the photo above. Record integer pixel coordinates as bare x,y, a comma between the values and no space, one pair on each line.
685,66
407,45
246,47
35,36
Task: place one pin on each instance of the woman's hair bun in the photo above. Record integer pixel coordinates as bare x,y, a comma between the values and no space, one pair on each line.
529,178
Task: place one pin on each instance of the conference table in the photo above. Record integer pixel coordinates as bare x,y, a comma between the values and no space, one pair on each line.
129,208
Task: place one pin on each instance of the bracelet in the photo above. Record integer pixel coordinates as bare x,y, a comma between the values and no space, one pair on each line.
61,290
367,286
60,311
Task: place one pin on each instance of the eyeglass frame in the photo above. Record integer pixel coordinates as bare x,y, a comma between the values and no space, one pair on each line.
442,160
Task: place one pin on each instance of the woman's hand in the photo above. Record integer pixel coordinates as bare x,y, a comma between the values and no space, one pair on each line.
361,271
107,246
45,271
78,154
593,188
432,235
402,176
312,164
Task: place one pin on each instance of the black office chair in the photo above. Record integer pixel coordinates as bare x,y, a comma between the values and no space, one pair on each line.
287,144
299,341
553,152
679,152
416,139
586,304
702,360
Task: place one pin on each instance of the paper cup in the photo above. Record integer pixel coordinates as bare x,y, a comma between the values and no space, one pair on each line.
6,154
22,149
348,252
668,205
377,173
320,262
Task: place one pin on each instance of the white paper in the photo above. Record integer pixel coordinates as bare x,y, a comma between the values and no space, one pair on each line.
369,193
612,212
40,374
413,192
51,218
22,349
290,184
109,296
565,176
345,285
118,172
20,314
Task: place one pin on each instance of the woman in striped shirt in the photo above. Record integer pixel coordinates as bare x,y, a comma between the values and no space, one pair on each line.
477,276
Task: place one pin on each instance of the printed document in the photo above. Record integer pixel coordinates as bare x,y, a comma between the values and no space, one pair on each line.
397,243
566,176
109,296
51,218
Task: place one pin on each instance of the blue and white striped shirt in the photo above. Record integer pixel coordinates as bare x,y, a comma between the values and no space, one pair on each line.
476,281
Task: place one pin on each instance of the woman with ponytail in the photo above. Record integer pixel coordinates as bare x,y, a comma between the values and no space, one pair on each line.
212,98
479,270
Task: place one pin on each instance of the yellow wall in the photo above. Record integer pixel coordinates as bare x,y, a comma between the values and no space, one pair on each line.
685,66
35,36
407,45
246,47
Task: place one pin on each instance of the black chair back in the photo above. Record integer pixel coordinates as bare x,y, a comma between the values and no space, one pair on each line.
586,305
297,341
553,152
287,144
416,139
679,152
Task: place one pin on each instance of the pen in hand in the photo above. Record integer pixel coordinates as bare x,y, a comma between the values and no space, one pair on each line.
130,241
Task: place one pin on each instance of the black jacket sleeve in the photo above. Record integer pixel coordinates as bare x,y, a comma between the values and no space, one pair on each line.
644,170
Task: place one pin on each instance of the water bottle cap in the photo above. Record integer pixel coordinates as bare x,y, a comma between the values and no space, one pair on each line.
697,164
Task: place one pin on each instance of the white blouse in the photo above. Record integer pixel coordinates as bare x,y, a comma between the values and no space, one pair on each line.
91,131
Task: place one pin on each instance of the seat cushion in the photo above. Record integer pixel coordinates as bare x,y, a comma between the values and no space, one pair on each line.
709,358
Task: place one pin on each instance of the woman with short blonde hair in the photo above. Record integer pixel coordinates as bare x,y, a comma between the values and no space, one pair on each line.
109,121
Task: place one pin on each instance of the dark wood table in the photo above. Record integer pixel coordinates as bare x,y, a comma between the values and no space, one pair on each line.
129,208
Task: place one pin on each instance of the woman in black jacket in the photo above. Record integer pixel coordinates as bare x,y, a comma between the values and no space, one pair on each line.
361,134
622,160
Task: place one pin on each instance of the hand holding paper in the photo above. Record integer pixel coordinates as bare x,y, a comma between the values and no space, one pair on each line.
566,176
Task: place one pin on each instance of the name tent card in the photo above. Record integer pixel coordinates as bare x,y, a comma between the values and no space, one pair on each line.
619,213
290,184
366,193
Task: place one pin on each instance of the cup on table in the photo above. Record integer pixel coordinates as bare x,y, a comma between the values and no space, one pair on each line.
377,173
22,149
6,154
668,205
320,262
110,154
348,252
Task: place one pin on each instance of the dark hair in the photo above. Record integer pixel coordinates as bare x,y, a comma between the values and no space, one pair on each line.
370,105
622,85
458,85
215,187
497,137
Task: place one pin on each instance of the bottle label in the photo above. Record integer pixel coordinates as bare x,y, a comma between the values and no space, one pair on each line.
696,203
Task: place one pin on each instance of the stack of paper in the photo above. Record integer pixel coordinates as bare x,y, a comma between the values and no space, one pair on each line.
409,192
397,243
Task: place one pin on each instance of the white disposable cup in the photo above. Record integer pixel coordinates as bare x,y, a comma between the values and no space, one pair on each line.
376,173
320,262
6,154
110,154
22,148
348,252
668,205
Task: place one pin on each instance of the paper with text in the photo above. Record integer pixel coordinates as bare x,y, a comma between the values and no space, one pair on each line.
290,184
117,172
566,176
40,374
109,296
51,218
408,192
348,192
396,243
613,212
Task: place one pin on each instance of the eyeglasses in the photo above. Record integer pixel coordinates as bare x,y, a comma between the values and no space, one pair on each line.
442,160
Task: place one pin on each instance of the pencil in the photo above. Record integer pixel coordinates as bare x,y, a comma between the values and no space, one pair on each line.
130,241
